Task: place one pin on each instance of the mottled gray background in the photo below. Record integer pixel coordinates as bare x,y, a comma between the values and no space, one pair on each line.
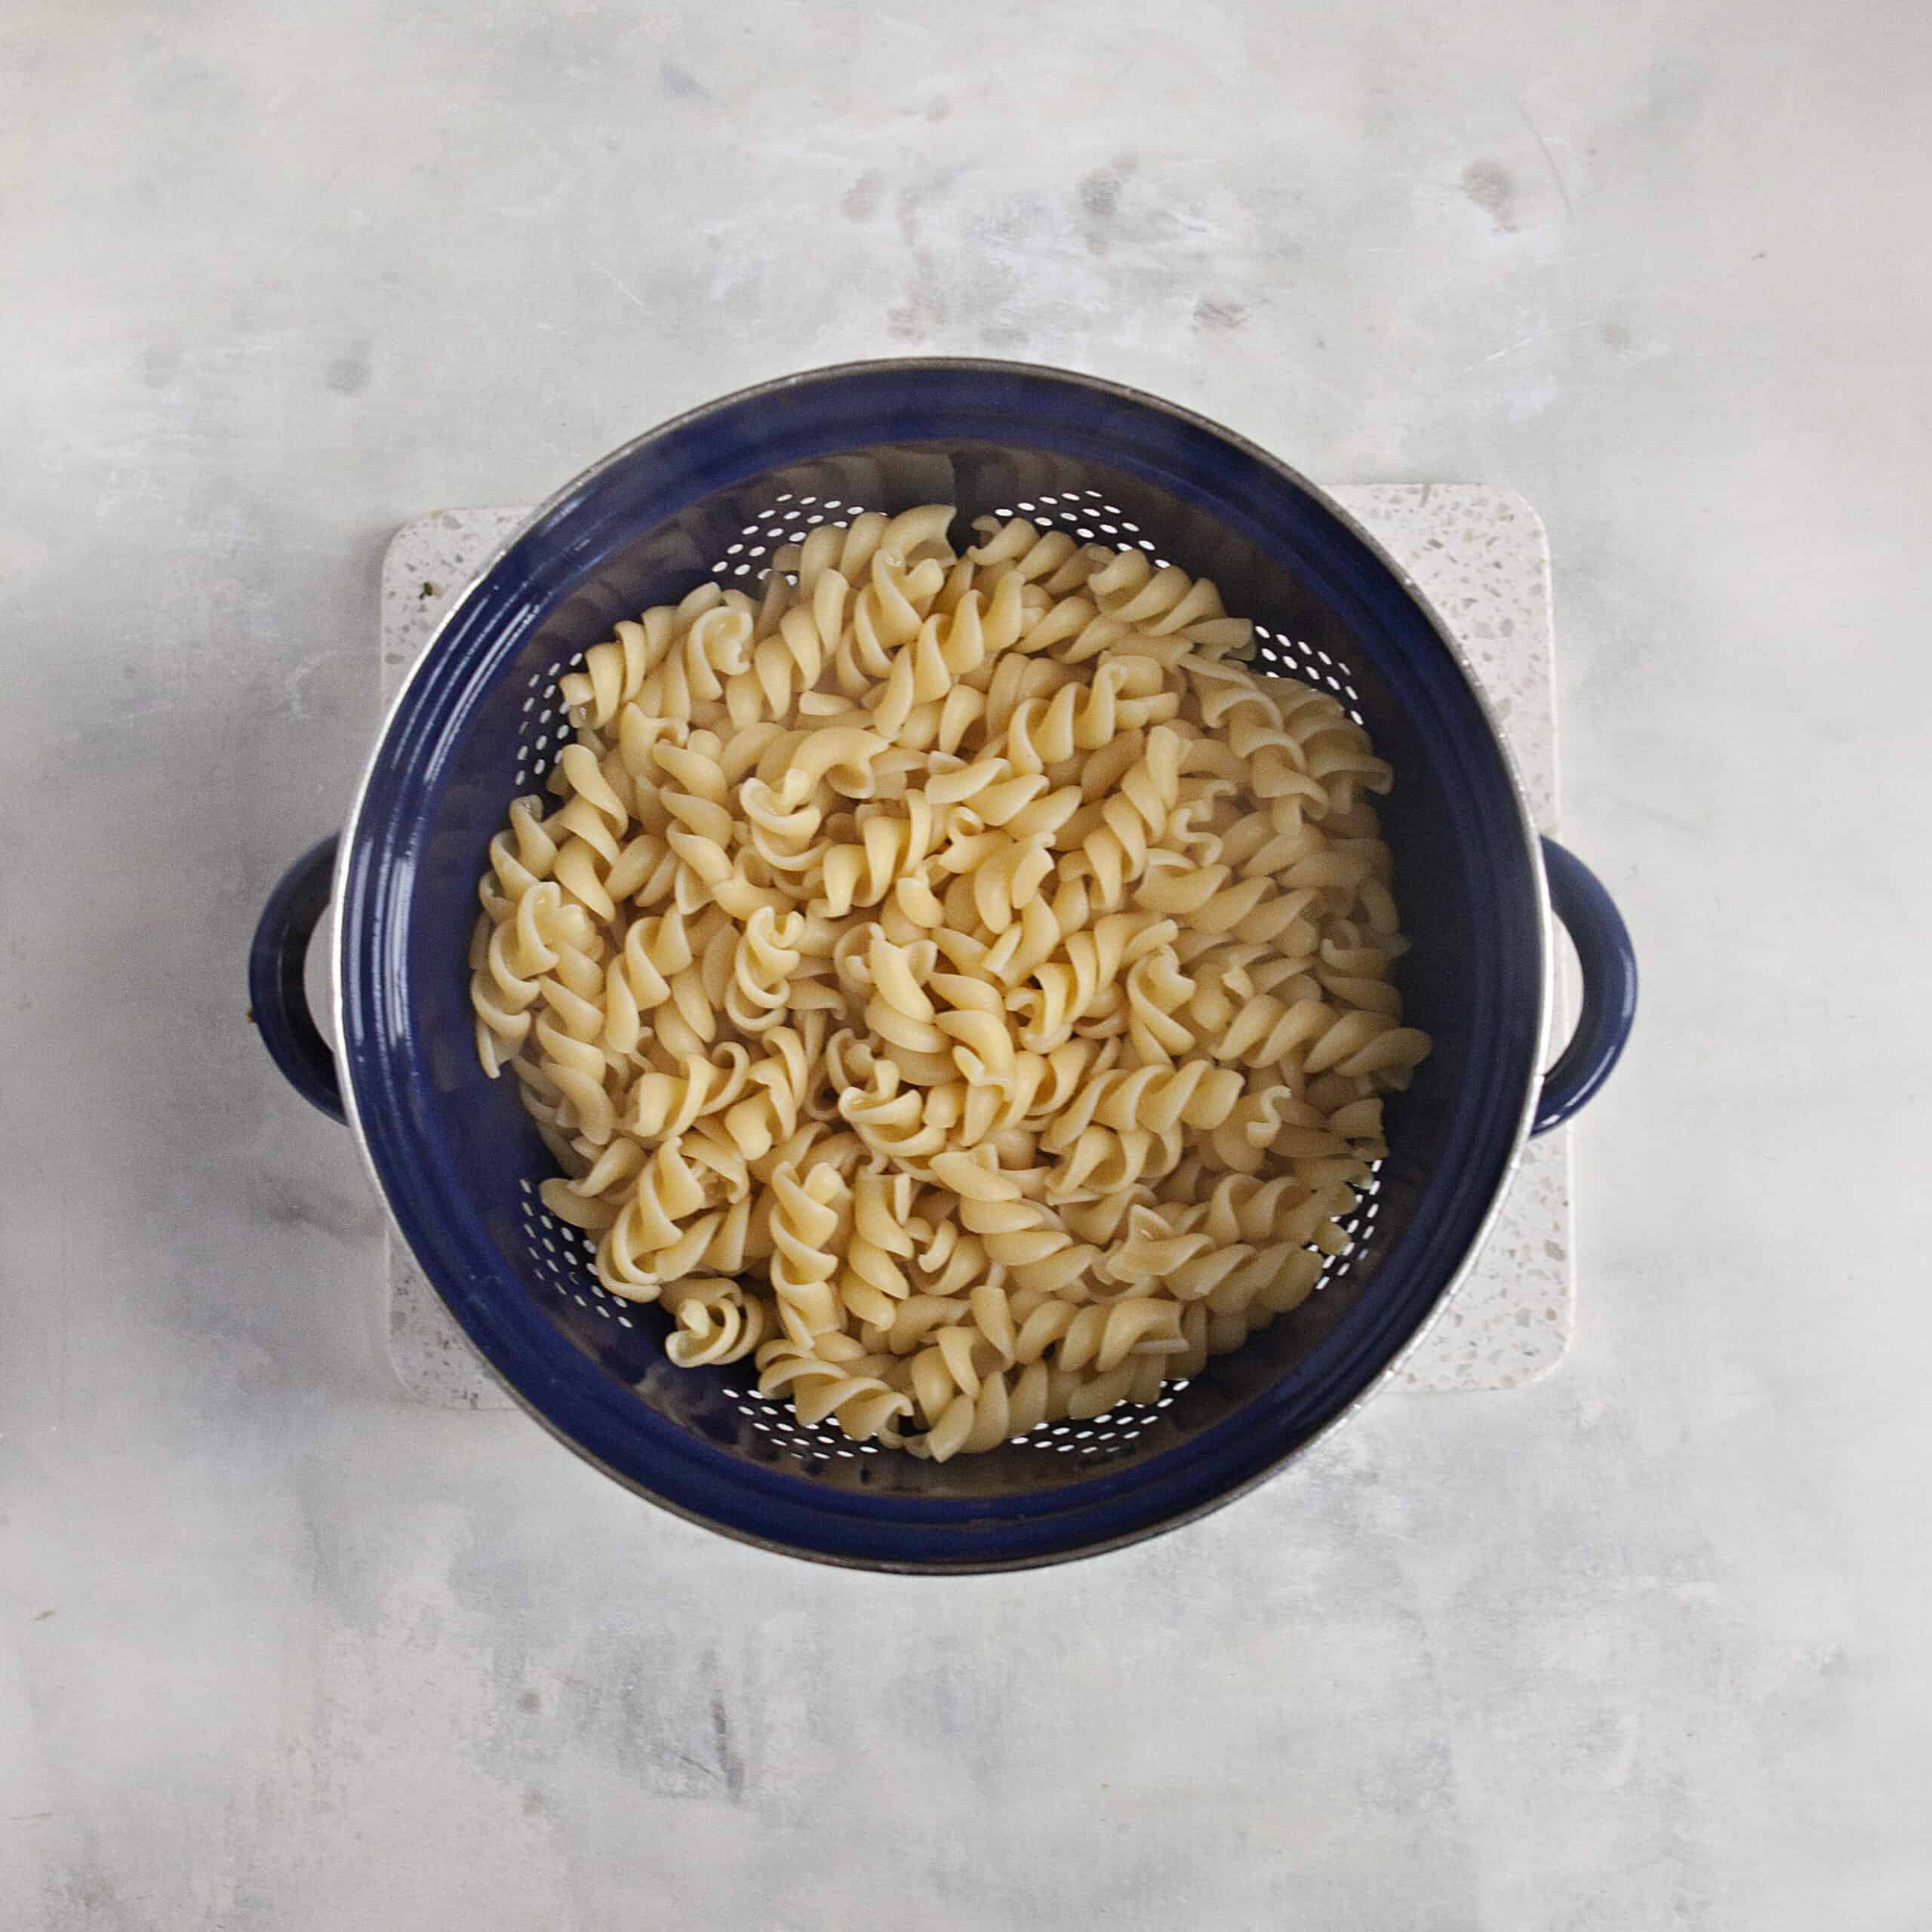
1643,1645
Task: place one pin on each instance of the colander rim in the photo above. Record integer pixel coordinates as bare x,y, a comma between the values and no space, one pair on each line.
351,846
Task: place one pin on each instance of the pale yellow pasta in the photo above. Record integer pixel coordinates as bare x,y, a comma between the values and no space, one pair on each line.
952,981
716,1321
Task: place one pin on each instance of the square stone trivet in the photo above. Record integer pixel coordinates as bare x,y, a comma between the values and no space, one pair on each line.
1481,556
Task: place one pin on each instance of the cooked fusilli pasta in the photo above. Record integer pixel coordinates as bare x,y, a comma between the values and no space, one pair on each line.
954,980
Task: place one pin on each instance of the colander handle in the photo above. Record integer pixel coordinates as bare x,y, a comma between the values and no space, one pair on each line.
278,998
1609,969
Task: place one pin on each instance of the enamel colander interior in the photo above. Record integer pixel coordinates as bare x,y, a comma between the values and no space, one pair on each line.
715,495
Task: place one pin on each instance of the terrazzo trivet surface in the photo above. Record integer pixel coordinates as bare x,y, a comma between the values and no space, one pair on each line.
1481,556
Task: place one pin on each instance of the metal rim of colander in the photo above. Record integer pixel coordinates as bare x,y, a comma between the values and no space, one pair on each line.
1099,386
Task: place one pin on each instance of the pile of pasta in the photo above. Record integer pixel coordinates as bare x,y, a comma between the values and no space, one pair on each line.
954,980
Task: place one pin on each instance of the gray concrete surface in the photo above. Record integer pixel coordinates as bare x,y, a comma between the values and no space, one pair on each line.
1642,1646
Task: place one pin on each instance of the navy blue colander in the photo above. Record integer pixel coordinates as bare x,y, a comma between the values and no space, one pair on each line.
713,493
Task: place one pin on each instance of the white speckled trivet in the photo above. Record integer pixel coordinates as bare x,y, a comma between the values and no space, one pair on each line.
1481,556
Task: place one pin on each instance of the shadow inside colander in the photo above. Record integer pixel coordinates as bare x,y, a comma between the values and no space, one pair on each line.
517,732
